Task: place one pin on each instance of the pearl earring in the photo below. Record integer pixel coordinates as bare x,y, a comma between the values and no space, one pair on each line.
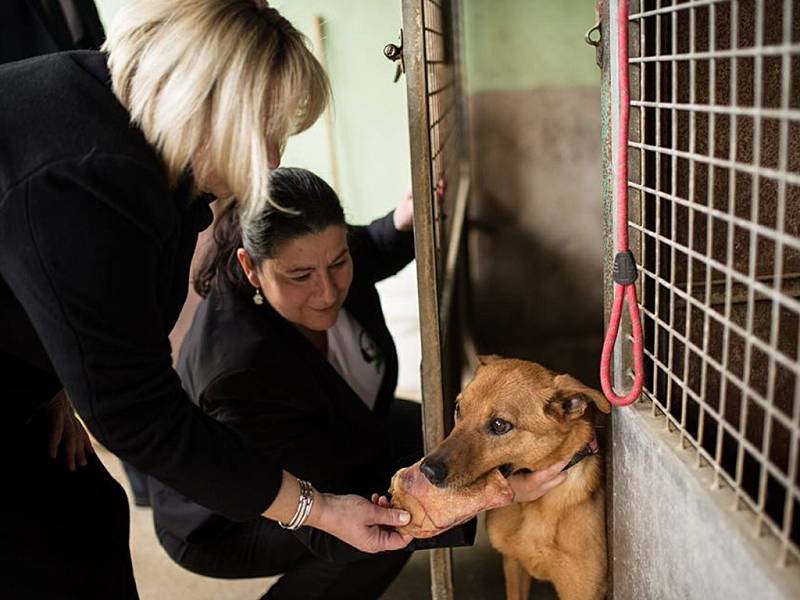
258,299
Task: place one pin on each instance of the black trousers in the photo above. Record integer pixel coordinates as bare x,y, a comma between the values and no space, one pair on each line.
64,535
261,548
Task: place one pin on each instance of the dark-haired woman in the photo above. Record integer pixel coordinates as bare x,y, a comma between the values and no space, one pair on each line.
290,349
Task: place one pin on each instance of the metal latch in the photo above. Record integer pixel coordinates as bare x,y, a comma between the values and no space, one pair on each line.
395,53
594,35
595,41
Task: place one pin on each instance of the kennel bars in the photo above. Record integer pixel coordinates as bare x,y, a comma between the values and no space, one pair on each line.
714,180
438,138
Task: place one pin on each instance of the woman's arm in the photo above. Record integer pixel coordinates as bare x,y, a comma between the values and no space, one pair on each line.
379,250
386,245
85,259
85,248
265,413
271,411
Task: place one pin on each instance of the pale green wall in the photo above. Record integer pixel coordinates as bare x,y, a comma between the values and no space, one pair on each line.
526,44
370,115
369,111
509,44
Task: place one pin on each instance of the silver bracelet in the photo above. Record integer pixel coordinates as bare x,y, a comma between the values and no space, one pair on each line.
304,505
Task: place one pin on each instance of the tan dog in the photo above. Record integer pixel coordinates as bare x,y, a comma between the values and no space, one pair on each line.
516,415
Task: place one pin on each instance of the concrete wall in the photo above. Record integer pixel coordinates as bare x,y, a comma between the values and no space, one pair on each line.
536,241
673,535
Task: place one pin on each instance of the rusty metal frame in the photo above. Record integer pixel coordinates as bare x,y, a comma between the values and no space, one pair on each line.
607,134
431,44
622,355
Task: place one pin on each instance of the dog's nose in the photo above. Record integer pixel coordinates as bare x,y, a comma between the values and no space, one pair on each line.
434,470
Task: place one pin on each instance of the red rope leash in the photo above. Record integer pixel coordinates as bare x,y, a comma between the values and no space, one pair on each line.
624,264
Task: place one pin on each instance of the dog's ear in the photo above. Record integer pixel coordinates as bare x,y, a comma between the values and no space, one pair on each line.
570,385
487,359
568,405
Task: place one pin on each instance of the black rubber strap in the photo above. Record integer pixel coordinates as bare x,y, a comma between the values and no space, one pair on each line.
588,450
625,272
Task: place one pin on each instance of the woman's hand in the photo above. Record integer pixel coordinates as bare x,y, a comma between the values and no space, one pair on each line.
65,430
403,217
360,523
532,485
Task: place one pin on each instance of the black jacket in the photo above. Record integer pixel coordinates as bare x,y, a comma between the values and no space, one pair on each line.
252,370
94,262
27,29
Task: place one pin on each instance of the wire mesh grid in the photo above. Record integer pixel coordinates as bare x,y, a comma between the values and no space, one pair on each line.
715,210
442,95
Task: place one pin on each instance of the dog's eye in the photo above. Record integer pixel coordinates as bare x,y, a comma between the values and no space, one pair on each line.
500,426
457,411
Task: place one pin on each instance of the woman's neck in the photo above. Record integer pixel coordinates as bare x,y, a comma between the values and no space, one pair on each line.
318,339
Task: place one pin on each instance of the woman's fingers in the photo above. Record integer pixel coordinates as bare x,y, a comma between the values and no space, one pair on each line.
547,481
553,482
56,431
363,524
441,188
392,540
87,445
83,445
56,414
87,441
554,469
67,432
381,501
80,457
532,486
70,441
391,517
553,472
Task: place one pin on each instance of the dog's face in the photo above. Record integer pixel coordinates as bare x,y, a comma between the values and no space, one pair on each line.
514,414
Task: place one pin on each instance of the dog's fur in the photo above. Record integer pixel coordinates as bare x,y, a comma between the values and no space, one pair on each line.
561,536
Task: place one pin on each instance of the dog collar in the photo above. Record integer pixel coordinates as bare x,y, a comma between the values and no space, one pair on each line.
588,450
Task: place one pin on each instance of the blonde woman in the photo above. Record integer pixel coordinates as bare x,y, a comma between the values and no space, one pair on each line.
107,164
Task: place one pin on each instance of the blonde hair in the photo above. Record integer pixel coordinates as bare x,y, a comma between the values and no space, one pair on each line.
219,79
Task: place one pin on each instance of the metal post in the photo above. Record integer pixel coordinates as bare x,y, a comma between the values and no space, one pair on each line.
607,97
415,53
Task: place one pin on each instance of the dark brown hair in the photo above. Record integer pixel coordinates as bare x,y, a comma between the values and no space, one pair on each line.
305,204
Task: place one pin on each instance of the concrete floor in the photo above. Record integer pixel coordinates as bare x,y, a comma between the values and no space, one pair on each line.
478,570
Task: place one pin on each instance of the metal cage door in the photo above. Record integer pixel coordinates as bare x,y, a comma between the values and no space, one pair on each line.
438,139
714,181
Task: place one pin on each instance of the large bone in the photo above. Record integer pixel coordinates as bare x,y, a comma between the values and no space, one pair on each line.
434,509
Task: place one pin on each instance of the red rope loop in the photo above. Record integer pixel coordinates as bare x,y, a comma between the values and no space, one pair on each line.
623,291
